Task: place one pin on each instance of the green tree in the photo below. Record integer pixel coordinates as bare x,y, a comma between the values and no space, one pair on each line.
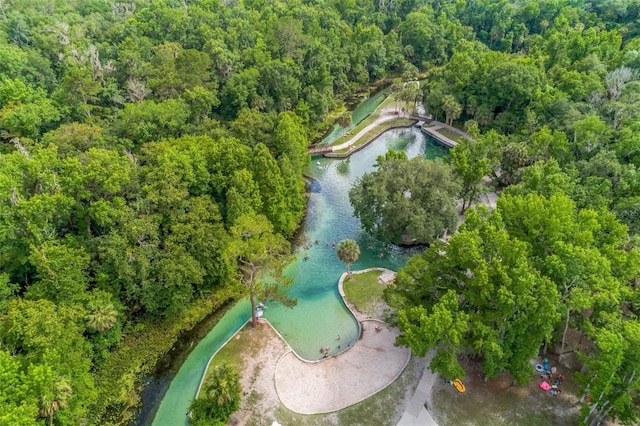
290,138
295,197
8,291
442,327
260,256
396,89
25,111
61,271
78,91
173,70
485,277
243,196
344,121
51,337
101,316
273,191
147,121
348,252
451,108
580,250
55,399
471,165
75,138
201,102
612,371
544,178
411,94
407,201
98,181
18,391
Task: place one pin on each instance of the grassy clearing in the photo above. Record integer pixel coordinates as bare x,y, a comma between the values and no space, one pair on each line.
364,291
246,342
395,122
497,402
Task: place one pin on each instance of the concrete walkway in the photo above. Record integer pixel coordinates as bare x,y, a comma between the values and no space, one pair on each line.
432,131
416,413
386,114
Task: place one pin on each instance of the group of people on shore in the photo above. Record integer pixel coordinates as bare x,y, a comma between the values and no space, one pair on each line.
551,378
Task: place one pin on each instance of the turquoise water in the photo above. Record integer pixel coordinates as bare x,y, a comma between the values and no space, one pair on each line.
363,110
176,402
320,315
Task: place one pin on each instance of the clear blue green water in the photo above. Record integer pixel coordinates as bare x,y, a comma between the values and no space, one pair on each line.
175,404
363,110
320,316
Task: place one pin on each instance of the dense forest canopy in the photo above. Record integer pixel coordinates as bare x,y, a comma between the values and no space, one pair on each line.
135,134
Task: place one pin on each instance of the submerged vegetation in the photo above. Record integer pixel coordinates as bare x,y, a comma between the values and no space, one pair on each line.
136,135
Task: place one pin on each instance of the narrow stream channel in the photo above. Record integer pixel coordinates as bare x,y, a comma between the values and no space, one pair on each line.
320,314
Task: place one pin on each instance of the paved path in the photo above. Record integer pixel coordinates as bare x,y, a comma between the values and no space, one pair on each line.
433,131
416,413
385,115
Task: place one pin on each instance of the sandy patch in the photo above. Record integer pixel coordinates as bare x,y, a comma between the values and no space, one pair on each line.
273,378
257,373
369,366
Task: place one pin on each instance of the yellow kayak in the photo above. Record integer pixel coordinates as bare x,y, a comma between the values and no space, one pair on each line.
460,387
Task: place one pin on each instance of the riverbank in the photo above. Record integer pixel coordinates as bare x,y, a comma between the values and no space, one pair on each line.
120,379
360,96
371,383
368,135
384,118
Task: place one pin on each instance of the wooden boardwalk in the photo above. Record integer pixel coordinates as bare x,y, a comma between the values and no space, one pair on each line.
319,149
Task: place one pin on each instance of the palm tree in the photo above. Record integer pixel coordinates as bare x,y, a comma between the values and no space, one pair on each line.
220,398
348,252
101,317
55,400
396,88
225,385
451,108
345,121
413,94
